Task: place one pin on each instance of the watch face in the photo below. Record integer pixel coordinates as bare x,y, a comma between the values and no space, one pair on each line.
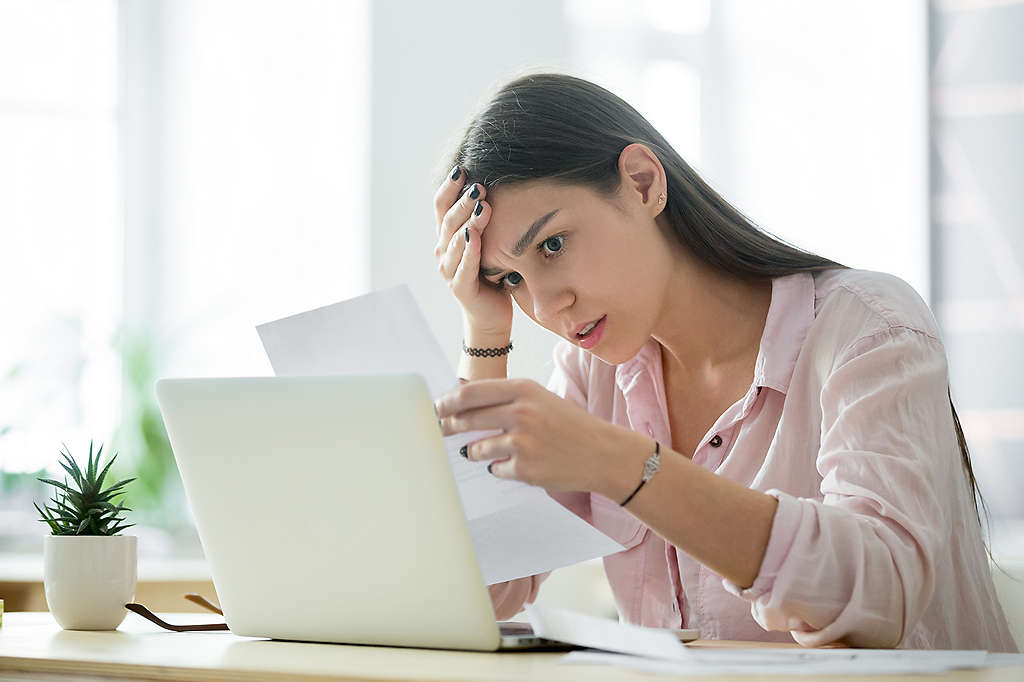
650,466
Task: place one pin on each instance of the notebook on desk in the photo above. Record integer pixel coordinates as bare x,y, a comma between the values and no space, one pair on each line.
327,512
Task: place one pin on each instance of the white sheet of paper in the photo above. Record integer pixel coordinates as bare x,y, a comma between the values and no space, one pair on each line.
384,332
605,634
659,651
1001,660
768,661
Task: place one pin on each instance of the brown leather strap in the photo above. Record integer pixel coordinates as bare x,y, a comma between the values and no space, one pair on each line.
204,602
150,616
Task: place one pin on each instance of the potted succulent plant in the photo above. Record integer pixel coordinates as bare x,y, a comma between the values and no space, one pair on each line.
89,571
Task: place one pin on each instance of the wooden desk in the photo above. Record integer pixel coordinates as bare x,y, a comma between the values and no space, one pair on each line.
33,645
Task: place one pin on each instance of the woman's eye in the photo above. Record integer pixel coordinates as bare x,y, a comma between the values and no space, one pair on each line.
553,244
550,247
512,279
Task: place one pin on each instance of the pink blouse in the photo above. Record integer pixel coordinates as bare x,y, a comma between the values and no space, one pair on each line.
847,423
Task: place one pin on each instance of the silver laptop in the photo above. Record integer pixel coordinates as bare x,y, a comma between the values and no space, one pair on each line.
328,513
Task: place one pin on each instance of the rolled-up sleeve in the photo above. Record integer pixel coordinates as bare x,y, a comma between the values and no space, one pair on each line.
858,565
508,597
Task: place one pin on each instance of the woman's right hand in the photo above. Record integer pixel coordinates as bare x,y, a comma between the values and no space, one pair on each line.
460,224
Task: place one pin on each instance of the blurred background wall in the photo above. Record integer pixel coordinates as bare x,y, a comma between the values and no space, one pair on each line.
977,205
174,173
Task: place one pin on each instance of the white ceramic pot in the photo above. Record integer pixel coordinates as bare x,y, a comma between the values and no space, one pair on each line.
89,578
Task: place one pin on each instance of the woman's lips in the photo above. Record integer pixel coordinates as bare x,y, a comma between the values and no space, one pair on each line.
591,339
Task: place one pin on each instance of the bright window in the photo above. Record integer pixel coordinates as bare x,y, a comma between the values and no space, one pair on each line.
171,175
60,232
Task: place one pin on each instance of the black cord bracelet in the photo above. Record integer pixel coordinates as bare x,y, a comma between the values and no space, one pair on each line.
650,468
486,352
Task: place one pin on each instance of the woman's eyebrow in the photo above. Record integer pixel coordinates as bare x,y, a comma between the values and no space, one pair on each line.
524,241
528,236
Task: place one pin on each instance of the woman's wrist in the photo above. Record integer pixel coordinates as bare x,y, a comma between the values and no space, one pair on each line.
479,338
472,367
624,453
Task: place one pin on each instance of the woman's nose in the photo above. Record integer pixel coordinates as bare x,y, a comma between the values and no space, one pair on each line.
549,305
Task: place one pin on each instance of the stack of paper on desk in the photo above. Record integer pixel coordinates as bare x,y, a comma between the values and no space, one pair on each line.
517,530
795,661
658,651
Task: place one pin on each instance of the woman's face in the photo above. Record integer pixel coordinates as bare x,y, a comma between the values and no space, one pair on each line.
570,257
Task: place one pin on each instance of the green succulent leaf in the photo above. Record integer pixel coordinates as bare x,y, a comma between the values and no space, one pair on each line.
64,507
103,474
71,472
47,518
83,506
119,484
59,514
91,466
55,483
76,473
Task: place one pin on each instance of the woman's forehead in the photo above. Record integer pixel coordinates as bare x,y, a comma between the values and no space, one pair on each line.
515,207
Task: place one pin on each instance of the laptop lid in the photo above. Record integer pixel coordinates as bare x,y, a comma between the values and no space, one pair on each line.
327,510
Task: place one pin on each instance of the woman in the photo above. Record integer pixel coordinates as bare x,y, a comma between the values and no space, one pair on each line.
768,433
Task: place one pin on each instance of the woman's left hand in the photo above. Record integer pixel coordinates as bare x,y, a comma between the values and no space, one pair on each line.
547,440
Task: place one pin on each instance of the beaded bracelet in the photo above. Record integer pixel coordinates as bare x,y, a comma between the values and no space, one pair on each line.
486,352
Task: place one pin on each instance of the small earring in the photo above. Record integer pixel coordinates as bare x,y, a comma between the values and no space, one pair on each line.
661,198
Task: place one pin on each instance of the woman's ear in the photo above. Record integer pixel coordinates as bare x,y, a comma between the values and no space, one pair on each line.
642,178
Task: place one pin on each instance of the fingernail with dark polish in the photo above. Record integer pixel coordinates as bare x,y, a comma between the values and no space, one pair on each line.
462,451
489,468
479,208
456,172
475,192
467,234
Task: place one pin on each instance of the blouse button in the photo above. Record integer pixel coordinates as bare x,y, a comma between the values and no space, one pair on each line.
716,441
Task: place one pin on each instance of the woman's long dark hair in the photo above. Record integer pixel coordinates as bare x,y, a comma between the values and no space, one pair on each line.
564,129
